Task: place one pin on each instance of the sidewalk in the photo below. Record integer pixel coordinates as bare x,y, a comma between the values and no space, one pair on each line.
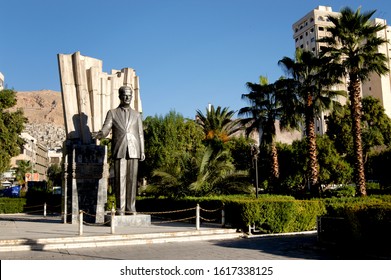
21,232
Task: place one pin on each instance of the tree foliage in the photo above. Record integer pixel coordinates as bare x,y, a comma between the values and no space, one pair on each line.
23,167
168,140
376,128
179,162
333,168
218,126
11,125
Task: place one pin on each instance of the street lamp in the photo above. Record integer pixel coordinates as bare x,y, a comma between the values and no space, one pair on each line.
255,153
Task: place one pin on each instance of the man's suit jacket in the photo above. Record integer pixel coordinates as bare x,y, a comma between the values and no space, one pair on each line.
128,135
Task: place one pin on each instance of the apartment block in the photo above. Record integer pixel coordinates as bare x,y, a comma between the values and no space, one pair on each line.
313,26
36,153
1,81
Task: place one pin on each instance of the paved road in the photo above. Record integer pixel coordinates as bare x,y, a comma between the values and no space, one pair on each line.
257,248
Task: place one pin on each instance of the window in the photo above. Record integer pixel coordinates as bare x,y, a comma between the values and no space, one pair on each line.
321,28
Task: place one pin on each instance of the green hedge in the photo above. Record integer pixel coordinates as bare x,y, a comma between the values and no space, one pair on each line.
12,205
363,223
366,219
269,214
31,204
274,215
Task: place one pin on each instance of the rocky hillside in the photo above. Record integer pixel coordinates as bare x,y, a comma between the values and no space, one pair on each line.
44,106
44,112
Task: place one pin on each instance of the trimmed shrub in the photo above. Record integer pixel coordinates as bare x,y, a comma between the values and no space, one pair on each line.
364,223
12,205
269,214
274,215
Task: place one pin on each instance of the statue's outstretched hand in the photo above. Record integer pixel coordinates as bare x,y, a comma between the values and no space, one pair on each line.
97,135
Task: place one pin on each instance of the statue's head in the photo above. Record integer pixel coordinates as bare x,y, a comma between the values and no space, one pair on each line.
125,94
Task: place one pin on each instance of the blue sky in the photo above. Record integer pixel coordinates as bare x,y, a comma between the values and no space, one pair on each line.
187,53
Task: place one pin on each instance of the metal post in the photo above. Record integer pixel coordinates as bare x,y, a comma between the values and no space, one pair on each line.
44,209
222,217
198,217
256,176
81,222
112,220
255,153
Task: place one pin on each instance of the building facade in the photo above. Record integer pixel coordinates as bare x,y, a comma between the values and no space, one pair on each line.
37,154
1,81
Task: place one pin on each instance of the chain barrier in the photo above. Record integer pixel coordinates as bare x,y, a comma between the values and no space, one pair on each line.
167,212
210,211
197,217
173,221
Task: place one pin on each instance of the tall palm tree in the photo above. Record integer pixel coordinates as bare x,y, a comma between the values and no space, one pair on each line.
312,85
353,43
218,125
267,105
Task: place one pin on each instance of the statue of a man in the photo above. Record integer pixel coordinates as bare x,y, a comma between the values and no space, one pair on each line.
127,149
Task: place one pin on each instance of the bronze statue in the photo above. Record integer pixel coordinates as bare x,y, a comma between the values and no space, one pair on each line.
127,149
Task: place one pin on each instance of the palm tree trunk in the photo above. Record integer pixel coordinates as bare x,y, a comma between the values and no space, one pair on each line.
312,150
356,111
275,166
275,169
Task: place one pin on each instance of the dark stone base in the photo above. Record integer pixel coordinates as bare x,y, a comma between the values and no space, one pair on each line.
129,220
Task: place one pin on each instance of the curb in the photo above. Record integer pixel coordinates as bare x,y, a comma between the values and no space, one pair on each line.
114,240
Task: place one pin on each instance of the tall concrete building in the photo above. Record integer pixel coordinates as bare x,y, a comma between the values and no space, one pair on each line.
37,154
312,27
1,81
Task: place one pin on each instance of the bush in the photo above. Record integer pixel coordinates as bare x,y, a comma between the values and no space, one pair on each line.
344,191
273,215
366,223
12,205
269,214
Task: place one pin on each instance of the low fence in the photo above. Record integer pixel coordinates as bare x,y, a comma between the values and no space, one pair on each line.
195,214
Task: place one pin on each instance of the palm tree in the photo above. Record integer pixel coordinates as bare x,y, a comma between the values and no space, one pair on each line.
208,172
216,174
218,125
23,167
353,43
268,105
312,86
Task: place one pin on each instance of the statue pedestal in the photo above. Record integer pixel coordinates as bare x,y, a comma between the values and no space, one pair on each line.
129,220
86,174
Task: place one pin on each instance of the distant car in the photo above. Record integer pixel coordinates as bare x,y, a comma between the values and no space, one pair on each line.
57,190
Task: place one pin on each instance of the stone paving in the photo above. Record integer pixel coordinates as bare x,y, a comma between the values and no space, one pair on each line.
303,246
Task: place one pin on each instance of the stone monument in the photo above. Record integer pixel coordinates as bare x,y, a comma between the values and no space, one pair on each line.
88,93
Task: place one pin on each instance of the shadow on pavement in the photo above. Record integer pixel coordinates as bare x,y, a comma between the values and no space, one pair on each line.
303,246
